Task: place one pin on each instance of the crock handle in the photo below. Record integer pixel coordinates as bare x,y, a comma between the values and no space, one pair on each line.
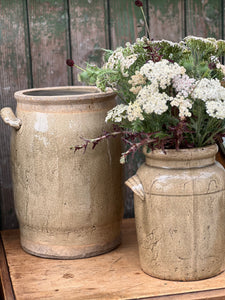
9,118
134,183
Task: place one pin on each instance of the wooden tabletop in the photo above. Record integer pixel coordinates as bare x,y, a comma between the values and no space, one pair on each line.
115,275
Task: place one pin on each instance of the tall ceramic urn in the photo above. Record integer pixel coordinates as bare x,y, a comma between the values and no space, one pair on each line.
69,205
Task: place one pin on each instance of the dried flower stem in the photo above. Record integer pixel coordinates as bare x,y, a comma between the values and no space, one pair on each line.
76,66
95,141
134,147
145,21
135,140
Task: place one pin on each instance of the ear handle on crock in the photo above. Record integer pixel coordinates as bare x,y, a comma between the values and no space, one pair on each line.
134,183
9,118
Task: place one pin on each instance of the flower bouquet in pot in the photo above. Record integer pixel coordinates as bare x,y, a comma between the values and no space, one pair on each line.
173,106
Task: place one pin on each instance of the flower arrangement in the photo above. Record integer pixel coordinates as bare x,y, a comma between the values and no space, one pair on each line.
171,93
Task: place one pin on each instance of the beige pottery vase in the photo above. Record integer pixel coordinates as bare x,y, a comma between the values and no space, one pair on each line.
69,205
180,213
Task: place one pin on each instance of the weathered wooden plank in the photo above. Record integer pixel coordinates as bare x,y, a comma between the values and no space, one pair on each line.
6,291
217,294
204,18
126,22
89,34
166,19
223,19
48,24
115,275
14,75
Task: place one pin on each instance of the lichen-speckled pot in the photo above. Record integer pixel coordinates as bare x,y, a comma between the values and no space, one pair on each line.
180,214
69,205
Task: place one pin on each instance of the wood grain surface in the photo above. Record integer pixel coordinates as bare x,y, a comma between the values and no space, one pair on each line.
6,291
115,275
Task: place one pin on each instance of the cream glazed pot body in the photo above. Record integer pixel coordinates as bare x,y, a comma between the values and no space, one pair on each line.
180,214
69,205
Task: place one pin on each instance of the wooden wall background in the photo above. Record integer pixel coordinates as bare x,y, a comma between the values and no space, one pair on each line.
37,36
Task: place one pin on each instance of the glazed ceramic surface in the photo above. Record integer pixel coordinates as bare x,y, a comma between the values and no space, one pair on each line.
69,205
180,214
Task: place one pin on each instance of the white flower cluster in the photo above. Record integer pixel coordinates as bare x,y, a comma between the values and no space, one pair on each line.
118,60
134,112
183,84
216,109
162,83
126,62
113,60
211,92
208,89
151,100
137,81
150,97
161,73
123,58
183,104
117,114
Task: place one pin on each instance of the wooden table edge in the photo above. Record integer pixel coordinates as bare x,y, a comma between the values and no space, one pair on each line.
6,289
215,294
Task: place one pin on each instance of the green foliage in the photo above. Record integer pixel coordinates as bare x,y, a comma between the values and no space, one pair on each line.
155,123
201,49
98,76
221,48
195,67
169,50
204,129
199,54
107,54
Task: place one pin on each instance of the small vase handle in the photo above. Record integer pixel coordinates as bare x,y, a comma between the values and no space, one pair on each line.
9,118
134,183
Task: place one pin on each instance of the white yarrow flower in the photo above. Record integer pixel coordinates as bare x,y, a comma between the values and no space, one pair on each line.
134,112
162,72
117,114
216,109
184,105
152,101
208,89
126,63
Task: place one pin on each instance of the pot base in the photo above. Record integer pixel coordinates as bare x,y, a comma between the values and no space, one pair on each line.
78,242
68,252
168,277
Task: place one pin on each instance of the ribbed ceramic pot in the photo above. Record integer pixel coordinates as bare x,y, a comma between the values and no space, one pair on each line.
180,214
69,205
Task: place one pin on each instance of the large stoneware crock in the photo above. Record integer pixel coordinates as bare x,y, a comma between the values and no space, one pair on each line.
69,205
